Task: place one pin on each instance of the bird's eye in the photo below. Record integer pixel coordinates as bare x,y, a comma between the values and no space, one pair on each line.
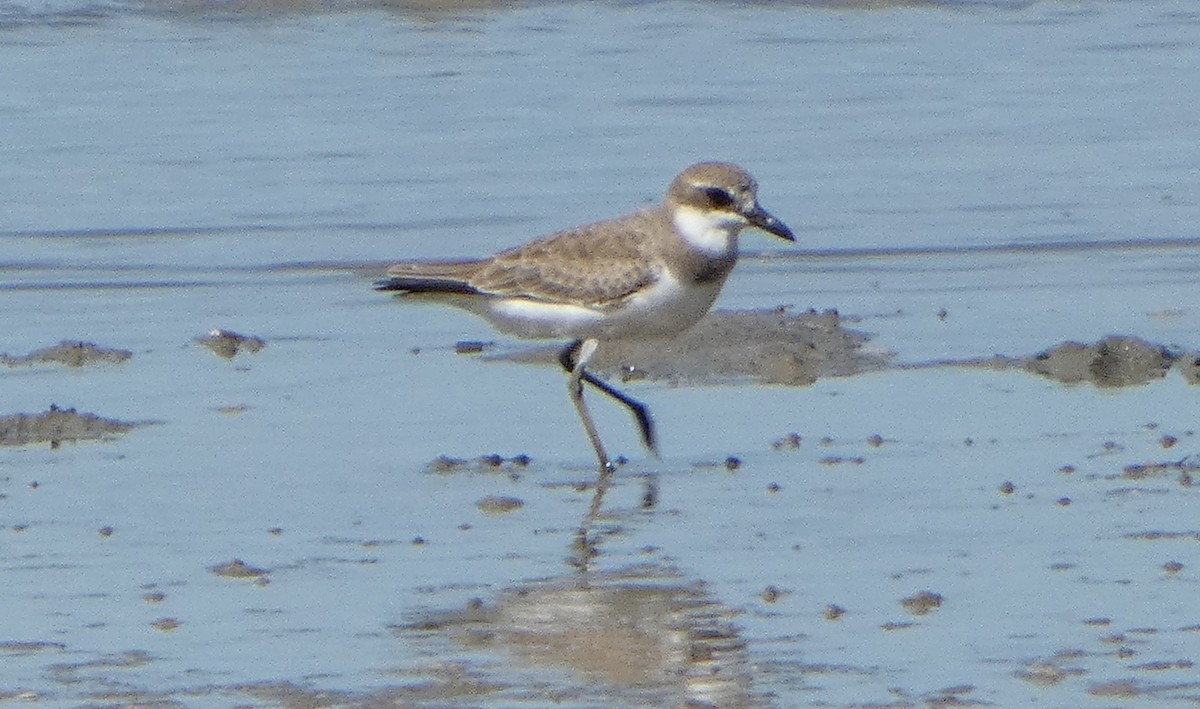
718,197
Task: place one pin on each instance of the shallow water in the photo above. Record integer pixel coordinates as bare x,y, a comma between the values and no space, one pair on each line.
967,179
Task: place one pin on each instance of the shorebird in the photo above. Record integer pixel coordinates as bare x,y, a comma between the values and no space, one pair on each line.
650,274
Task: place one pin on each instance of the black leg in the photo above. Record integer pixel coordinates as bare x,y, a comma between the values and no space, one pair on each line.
568,358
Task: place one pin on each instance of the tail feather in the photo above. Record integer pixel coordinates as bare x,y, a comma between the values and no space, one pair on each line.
419,284
430,277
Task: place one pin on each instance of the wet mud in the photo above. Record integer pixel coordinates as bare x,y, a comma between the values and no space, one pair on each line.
922,603
492,463
228,344
238,569
769,347
1114,361
499,504
56,426
68,353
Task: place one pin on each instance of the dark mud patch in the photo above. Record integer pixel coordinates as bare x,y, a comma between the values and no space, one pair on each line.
1050,672
26,647
289,694
228,344
493,463
769,347
68,353
1114,361
468,347
922,603
1189,366
127,659
1186,470
55,425
238,569
499,504
166,625
1136,688
443,685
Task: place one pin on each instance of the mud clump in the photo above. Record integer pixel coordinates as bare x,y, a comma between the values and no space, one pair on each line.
1142,471
499,504
922,603
166,625
493,463
238,569
228,344
767,346
1115,361
69,353
1189,365
466,347
56,425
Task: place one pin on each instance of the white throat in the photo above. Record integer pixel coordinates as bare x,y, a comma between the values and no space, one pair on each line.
713,233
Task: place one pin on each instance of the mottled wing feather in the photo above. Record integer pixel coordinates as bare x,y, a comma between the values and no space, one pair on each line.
590,266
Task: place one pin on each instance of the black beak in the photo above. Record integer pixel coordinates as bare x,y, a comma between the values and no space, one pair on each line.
764,220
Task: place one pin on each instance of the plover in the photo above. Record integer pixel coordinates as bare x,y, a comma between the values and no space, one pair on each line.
651,274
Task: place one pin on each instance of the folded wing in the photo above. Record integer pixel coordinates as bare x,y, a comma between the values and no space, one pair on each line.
586,267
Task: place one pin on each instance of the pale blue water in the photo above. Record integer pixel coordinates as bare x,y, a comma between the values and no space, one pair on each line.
165,167
355,131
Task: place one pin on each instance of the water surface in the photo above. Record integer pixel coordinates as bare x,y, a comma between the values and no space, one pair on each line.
966,179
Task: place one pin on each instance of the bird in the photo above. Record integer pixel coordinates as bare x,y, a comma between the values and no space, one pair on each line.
647,275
